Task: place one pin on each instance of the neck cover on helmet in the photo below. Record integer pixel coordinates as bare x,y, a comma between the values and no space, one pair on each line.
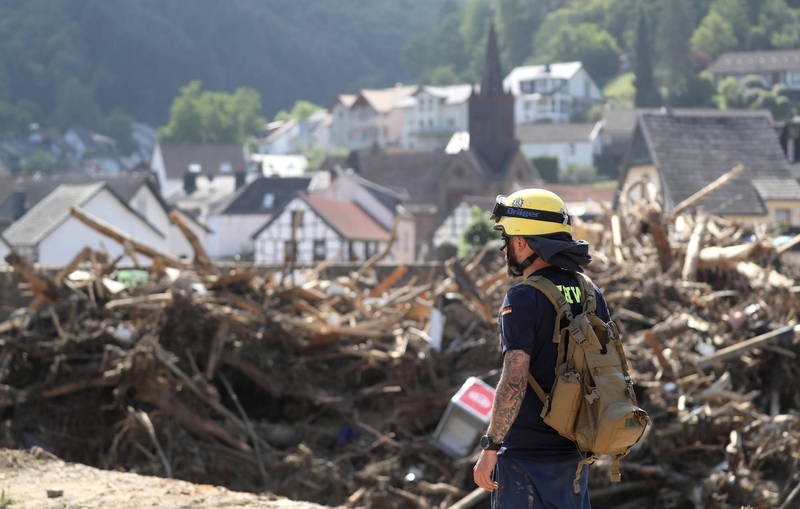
560,250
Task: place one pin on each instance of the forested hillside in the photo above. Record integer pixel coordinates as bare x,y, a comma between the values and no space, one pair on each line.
667,43
102,63
74,62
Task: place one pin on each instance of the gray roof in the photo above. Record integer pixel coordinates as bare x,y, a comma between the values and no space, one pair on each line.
4,242
125,187
211,158
622,122
49,213
250,198
691,152
777,188
756,62
553,133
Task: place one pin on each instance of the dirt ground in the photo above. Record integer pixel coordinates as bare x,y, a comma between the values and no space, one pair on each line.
26,478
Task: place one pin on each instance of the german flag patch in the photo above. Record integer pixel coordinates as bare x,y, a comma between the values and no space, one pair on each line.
506,310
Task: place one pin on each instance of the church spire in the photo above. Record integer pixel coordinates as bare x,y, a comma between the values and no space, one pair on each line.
492,82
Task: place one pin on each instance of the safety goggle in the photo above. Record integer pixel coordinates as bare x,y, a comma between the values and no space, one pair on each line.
501,210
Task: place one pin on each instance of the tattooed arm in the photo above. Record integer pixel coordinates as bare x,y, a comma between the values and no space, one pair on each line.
507,400
509,394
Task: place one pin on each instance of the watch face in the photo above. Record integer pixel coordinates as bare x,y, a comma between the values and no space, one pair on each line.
485,442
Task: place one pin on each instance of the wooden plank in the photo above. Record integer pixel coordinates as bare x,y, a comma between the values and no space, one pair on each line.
747,345
705,191
123,239
200,256
390,281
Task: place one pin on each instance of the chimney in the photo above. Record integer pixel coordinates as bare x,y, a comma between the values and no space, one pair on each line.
241,179
189,182
18,208
547,68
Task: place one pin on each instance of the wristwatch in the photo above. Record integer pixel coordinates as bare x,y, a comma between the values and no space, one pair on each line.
487,444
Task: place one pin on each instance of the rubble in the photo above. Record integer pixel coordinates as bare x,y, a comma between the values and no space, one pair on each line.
328,388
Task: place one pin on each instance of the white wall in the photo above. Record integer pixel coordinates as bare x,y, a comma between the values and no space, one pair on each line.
62,244
270,242
231,233
568,153
581,83
178,245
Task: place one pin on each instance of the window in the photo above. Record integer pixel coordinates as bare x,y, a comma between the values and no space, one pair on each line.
572,149
225,167
793,79
269,201
290,251
783,216
297,219
319,250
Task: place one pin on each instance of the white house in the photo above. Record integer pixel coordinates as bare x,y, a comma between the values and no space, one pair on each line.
572,144
272,165
290,136
455,224
48,234
236,219
433,114
776,66
551,92
310,229
137,191
179,164
369,118
382,204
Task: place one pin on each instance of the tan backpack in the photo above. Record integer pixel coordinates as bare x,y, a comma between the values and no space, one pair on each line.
592,401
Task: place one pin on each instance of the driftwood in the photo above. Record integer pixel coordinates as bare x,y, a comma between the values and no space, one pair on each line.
200,256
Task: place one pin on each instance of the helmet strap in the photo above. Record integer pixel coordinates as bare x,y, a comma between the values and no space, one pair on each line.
516,269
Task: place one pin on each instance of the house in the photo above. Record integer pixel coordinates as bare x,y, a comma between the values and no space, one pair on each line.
571,144
551,92
433,114
185,165
582,201
435,181
774,67
371,119
680,154
311,228
280,165
101,151
618,126
137,191
48,234
290,136
381,203
235,219
5,249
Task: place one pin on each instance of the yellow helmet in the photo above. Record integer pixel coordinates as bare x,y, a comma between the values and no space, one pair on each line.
530,212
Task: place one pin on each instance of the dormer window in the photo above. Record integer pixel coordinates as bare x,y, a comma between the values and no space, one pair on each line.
269,201
195,168
225,167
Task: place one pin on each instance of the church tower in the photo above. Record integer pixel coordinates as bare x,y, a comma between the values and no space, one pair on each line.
491,114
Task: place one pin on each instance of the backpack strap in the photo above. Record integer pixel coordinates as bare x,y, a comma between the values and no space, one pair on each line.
563,310
587,292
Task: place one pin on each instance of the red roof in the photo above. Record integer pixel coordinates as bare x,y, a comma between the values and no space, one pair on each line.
347,218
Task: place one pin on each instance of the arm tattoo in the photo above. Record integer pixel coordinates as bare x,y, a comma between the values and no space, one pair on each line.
509,394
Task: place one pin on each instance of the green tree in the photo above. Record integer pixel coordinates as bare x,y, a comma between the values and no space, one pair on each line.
714,36
479,231
647,95
40,161
547,166
76,106
674,31
516,21
750,93
588,43
300,111
198,116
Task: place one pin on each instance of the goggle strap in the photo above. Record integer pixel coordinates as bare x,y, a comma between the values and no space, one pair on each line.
501,210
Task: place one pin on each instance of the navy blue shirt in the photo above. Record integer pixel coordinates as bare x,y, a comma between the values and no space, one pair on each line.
527,320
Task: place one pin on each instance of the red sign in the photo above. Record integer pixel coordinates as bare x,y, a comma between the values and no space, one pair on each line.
477,397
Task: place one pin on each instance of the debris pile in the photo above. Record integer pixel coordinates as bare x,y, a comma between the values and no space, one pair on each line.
328,388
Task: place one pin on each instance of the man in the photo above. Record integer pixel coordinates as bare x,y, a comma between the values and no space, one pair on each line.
524,462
